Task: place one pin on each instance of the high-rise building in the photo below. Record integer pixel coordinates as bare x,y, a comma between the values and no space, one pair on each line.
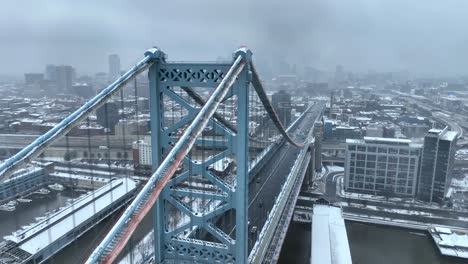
437,160
50,72
114,67
83,90
65,78
142,152
382,166
282,104
108,115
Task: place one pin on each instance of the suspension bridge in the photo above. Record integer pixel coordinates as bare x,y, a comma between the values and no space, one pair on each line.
203,116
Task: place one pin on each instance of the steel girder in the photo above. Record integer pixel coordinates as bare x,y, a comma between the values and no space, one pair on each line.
172,243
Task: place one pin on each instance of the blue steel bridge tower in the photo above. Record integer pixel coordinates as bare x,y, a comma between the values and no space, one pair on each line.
170,82
186,99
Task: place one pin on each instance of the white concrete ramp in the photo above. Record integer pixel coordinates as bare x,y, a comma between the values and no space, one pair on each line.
329,243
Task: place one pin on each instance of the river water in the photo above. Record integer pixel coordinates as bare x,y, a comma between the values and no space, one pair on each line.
370,244
26,213
80,249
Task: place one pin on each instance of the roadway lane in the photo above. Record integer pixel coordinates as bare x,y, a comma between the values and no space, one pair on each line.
266,185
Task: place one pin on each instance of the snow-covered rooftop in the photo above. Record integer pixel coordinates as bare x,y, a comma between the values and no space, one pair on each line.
79,177
24,172
450,243
386,140
449,135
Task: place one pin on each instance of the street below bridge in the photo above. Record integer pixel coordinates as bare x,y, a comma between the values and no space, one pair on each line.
393,211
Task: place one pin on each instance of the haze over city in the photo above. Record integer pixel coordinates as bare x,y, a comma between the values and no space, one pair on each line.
415,36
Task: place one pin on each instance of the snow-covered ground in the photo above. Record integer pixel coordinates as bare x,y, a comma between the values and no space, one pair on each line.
319,175
461,184
335,169
405,201
85,171
383,209
461,154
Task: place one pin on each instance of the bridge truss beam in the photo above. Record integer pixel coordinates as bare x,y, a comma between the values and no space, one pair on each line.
172,244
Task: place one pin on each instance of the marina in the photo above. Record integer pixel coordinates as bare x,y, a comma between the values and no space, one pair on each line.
450,242
27,243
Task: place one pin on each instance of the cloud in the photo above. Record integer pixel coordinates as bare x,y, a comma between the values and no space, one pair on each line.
419,36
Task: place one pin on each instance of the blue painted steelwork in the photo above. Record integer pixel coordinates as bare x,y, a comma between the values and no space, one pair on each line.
171,244
242,188
115,240
162,77
37,146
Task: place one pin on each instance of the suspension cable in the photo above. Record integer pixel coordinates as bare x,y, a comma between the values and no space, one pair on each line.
269,108
166,169
37,146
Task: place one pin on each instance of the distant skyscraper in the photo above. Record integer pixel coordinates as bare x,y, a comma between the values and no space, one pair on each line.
50,72
114,67
339,76
282,104
436,165
65,78
33,78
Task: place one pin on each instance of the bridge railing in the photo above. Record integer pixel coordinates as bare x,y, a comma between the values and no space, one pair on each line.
263,244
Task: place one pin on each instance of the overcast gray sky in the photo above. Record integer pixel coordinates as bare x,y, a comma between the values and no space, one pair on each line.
414,35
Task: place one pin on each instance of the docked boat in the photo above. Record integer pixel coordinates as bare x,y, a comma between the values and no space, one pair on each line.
42,191
56,187
7,207
23,200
